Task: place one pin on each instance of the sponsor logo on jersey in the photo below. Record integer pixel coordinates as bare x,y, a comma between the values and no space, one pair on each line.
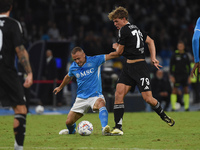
85,73
132,26
141,50
146,88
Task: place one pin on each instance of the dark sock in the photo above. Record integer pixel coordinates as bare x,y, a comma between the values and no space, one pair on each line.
71,128
118,115
20,130
158,109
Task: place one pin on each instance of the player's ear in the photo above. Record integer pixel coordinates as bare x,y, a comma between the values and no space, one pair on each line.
124,19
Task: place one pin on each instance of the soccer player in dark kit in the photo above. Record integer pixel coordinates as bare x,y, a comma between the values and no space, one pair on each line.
135,71
11,90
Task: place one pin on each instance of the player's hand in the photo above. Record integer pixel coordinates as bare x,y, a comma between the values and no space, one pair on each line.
56,90
196,65
29,80
115,45
156,63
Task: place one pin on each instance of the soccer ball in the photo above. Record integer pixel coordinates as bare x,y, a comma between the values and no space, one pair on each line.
85,128
39,109
178,106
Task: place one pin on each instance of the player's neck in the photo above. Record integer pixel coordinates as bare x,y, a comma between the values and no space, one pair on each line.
6,13
125,23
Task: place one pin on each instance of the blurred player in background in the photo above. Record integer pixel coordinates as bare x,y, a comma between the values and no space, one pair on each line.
195,47
87,71
50,73
161,88
11,90
135,70
180,75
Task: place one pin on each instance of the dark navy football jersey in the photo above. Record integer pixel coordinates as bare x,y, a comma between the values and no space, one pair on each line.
133,40
10,37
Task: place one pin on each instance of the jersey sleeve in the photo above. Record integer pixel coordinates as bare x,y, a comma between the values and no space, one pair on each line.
195,45
144,35
123,34
99,59
197,27
17,34
70,71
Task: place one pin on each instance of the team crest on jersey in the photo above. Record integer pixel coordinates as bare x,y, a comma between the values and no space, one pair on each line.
89,64
178,58
2,23
77,75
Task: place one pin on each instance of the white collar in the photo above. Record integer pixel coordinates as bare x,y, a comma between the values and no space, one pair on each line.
1,16
49,59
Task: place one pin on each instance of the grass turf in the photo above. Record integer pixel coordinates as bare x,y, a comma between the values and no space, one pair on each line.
141,131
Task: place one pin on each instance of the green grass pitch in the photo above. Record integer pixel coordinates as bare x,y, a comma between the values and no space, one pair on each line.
142,131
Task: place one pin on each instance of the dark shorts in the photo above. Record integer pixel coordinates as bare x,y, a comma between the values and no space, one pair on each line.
136,74
181,81
11,90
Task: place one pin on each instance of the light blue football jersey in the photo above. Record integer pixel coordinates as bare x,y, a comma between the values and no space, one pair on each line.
88,76
195,41
197,27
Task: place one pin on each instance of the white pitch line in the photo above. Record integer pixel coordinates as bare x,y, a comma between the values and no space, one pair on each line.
88,148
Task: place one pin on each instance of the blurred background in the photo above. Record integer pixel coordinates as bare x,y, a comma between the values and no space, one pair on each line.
60,25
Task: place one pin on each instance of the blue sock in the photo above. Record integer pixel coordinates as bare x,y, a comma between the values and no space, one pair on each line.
103,116
71,128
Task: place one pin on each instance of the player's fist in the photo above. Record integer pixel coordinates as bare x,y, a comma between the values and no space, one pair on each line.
115,45
29,80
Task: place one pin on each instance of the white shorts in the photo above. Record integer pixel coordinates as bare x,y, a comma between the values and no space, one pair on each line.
82,105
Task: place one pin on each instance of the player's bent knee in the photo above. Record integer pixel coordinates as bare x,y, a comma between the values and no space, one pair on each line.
99,103
102,103
20,109
119,97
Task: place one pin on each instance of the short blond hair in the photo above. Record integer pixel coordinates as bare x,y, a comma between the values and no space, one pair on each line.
76,49
119,12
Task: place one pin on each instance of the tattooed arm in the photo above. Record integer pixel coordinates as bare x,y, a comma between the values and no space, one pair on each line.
24,60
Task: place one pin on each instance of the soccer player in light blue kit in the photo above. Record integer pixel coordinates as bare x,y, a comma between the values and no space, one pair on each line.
195,46
87,71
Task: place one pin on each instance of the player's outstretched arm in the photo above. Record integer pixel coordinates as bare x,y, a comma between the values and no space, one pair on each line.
65,81
24,60
152,50
119,50
112,55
